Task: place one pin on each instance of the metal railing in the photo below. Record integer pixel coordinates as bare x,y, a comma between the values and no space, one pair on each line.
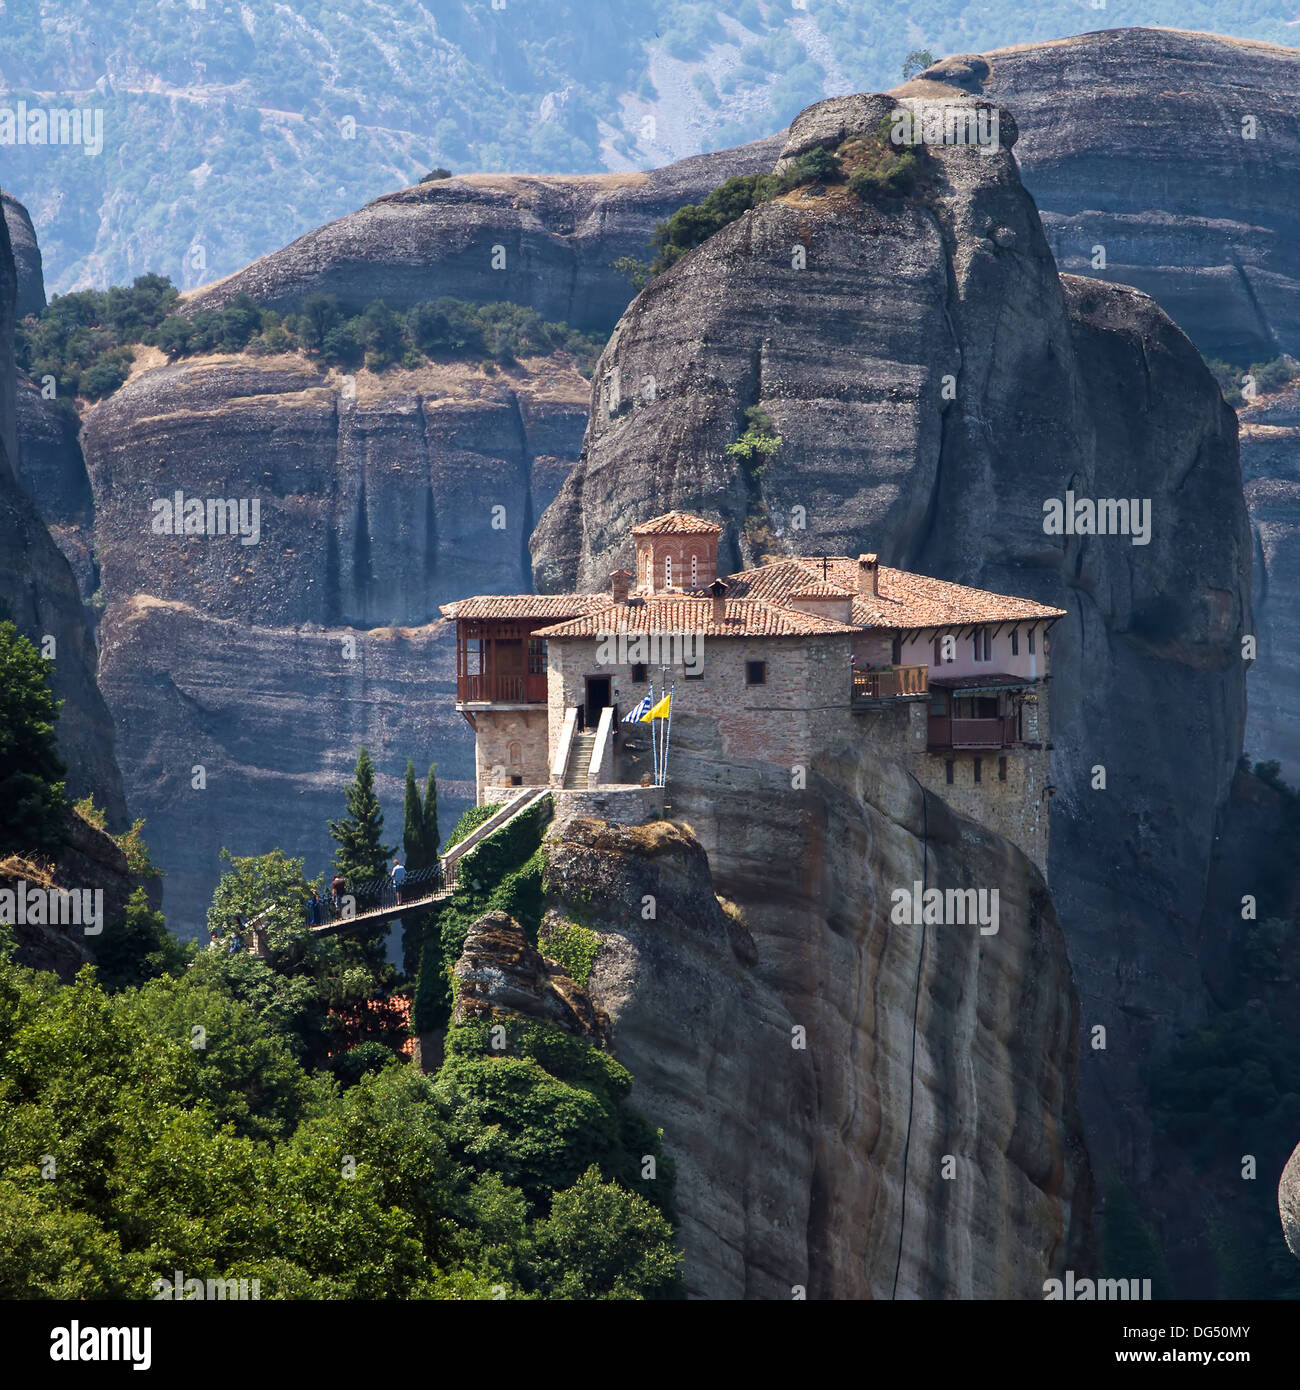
891,683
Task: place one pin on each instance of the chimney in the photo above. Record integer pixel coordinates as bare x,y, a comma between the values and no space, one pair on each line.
620,582
718,593
868,574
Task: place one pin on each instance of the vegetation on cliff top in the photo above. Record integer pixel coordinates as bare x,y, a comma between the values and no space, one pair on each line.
83,342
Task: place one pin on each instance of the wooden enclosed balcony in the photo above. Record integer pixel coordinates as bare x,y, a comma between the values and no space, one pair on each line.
889,685
500,663
998,732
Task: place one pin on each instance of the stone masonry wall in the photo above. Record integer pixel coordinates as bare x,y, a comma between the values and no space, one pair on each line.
510,743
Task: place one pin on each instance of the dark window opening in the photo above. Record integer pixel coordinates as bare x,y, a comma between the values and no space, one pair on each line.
638,674
537,656
896,652
1015,641
516,780
978,765
1031,641
1002,769
756,673
947,767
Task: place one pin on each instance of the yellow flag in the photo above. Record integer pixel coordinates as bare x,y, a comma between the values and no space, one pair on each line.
660,711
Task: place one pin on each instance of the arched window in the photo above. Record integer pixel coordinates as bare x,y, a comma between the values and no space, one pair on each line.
668,571
515,757
695,571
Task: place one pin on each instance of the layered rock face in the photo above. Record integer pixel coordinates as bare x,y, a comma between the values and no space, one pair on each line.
40,594
1179,154
812,1068
548,242
269,664
935,382
1270,464
27,257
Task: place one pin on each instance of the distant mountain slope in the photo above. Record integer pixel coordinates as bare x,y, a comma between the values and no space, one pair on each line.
230,128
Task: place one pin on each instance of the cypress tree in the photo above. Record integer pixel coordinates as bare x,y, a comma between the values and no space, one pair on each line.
431,838
417,856
361,855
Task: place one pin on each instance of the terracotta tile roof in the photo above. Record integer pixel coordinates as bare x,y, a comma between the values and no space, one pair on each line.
822,589
678,613
676,523
553,606
905,600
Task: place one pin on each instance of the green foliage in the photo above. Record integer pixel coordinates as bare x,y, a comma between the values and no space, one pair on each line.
1129,1247
757,444
32,806
413,844
875,166
138,859
1268,377
916,61
431,813
469,822
635,272
83,339
574,947
693,224
502,873
544,1109
138,948
128,1152
362,855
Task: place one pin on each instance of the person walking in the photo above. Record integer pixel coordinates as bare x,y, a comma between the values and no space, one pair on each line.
399,877
338,888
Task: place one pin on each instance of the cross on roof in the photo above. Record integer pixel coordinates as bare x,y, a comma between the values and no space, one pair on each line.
826,566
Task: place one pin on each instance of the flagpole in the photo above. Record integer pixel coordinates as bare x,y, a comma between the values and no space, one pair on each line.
654,743
668,733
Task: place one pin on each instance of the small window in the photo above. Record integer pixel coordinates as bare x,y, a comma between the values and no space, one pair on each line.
938,703
516,780
1031,641
756,673
638,674
695,571
1002,769
938,652
978,768
1015,641
896,651
668,571
947,768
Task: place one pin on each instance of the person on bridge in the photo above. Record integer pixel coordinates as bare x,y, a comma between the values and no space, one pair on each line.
399,877
338,887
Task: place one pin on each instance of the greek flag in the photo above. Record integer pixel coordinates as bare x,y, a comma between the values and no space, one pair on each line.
639,712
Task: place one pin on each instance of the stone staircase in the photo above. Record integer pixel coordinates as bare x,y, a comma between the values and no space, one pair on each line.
575,775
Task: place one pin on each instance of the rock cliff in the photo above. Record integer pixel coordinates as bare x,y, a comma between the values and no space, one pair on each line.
1056,384
1176,152
378,499
27,257
40,595
813,1068
559,235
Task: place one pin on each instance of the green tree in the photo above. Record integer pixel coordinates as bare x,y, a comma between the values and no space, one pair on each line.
916,61
33,811
431,813
361,856
138,947
413,833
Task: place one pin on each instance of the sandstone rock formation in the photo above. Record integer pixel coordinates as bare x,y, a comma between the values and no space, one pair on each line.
1057,385
1177,152
40,594
27,257
560,237
1288,1202
1270,464
812,1068
374,507
500,974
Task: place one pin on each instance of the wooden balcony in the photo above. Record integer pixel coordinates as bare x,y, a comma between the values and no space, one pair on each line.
499,688
889,685
946,732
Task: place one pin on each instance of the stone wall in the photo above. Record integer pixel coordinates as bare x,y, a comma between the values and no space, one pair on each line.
510,743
